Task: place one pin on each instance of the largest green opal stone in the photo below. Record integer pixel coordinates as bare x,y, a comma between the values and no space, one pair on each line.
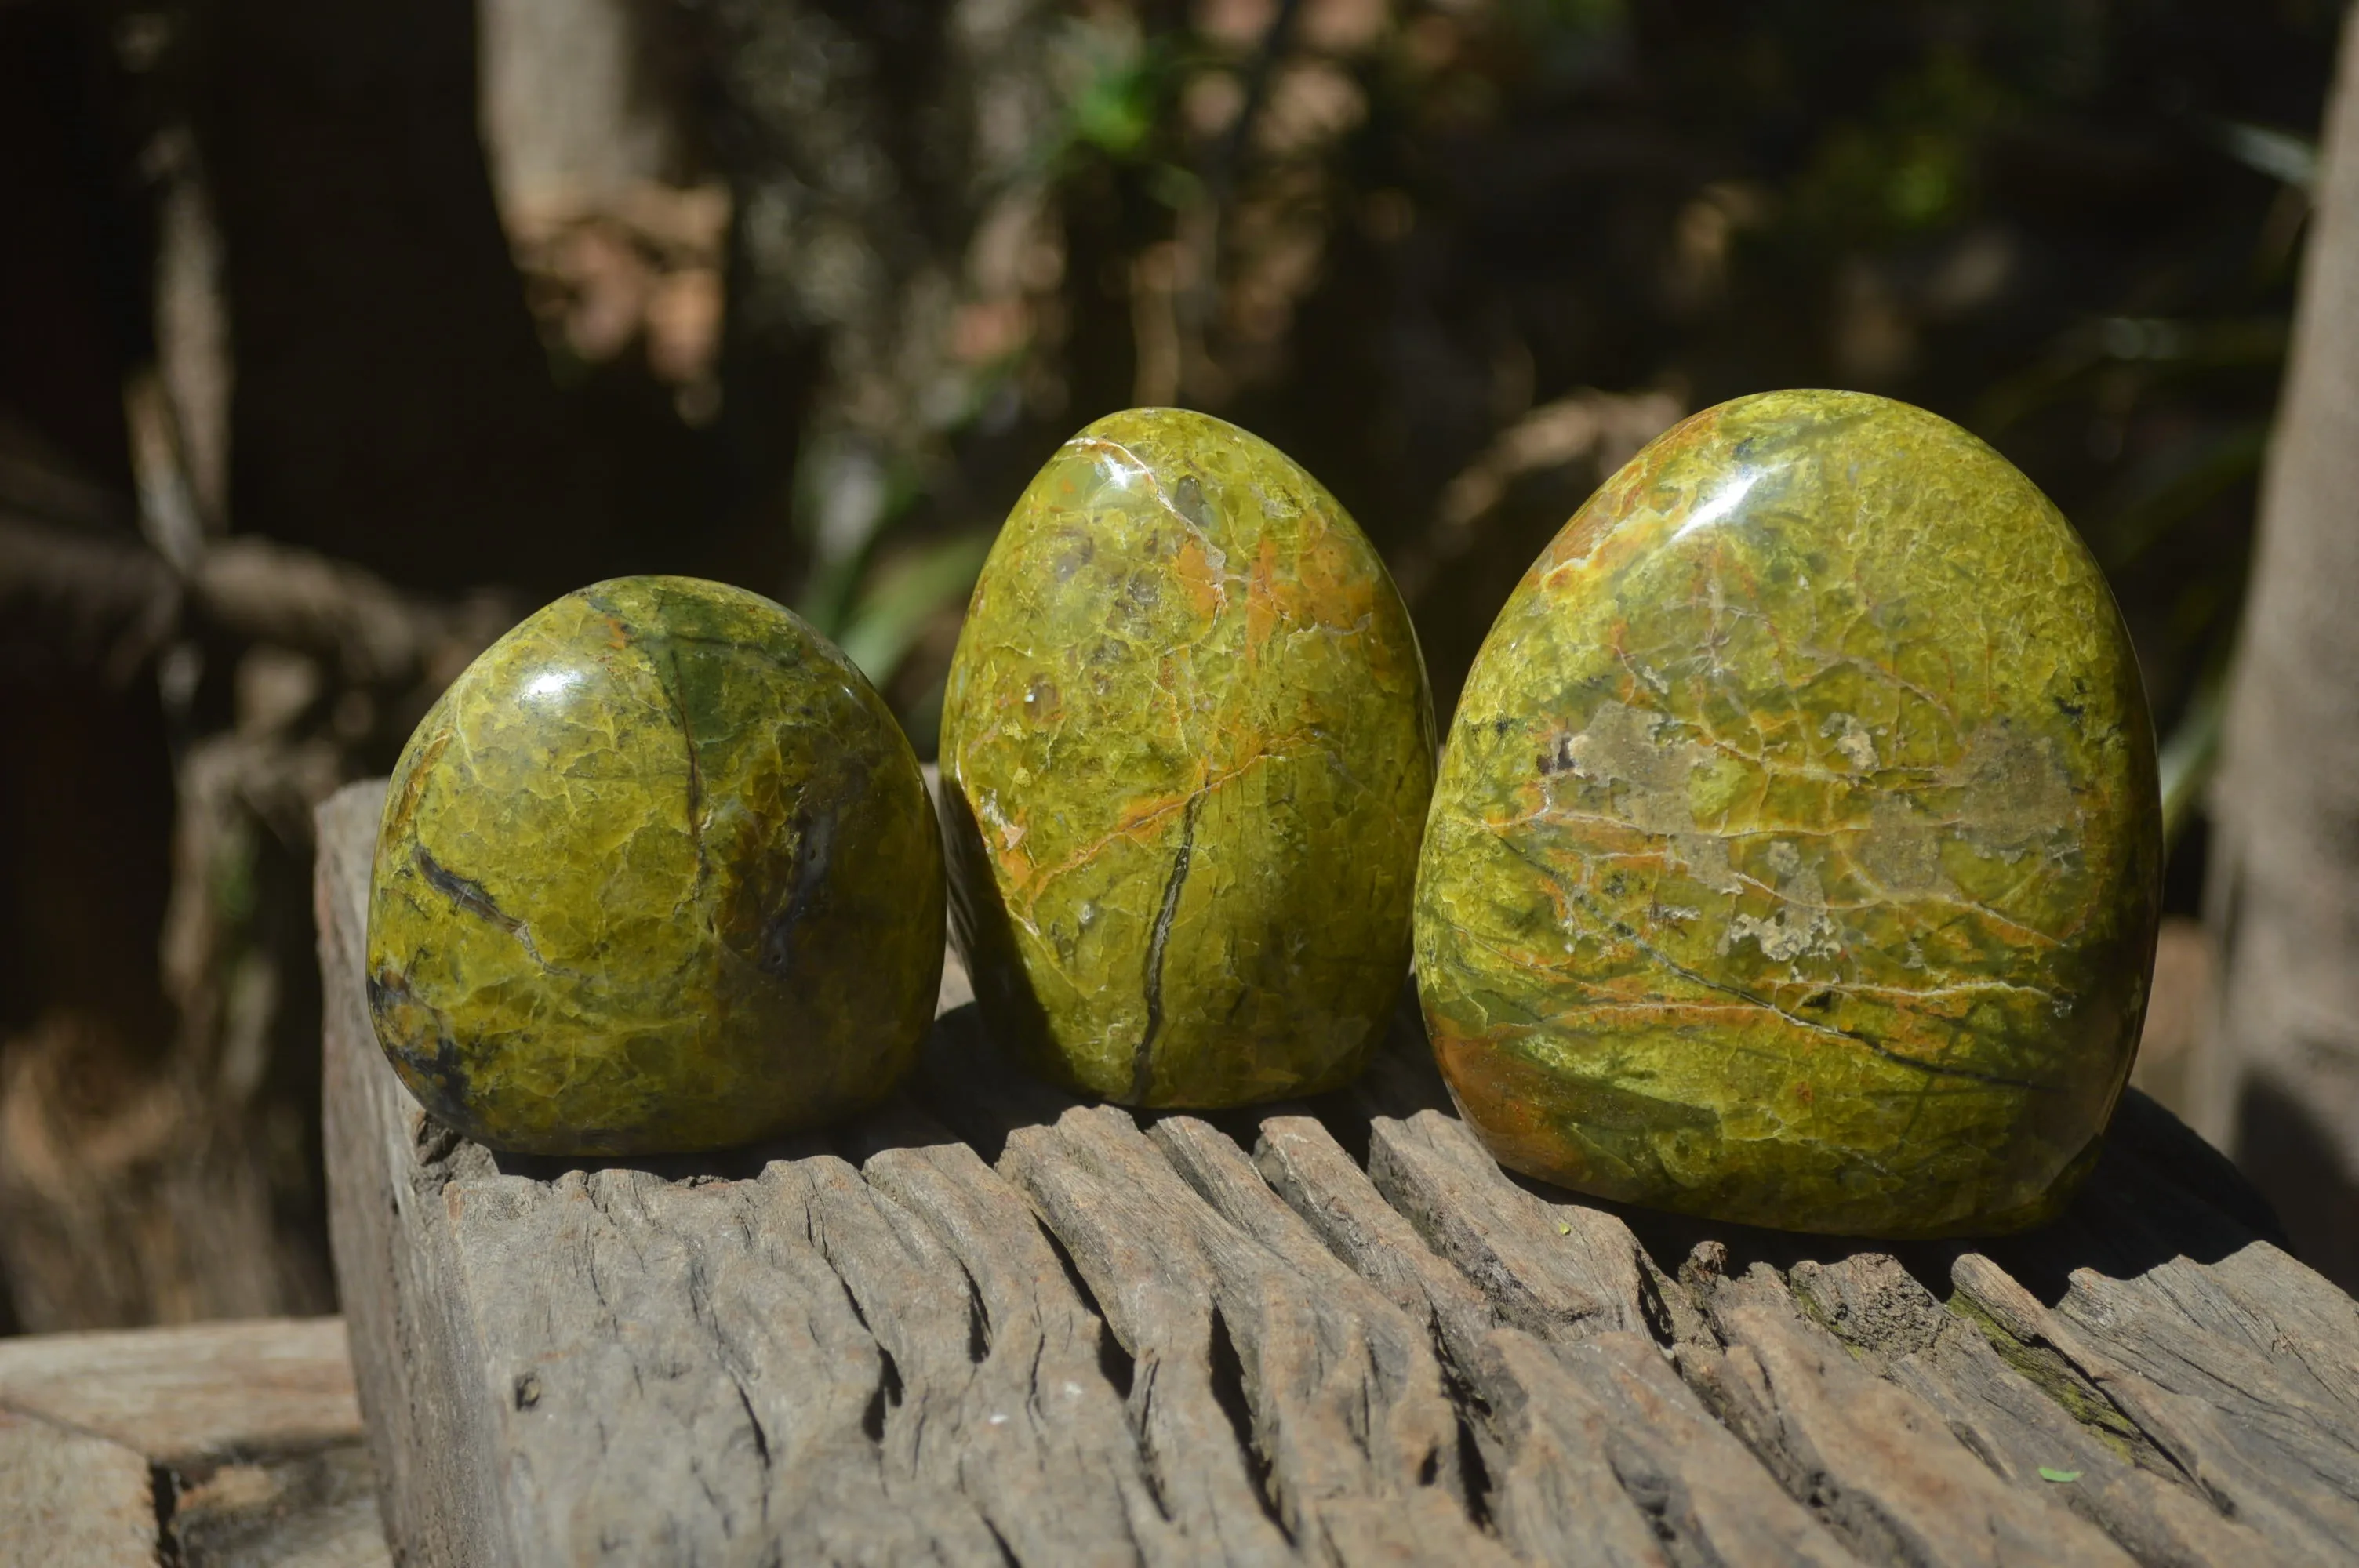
657,873
1795,856
1186,748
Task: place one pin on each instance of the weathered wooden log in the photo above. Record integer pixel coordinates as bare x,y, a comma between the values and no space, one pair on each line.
992,1325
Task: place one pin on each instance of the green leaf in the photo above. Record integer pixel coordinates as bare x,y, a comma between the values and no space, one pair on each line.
2058,1476
1564,1229
2281,155
888,617
2190,753
1175,186
1112,84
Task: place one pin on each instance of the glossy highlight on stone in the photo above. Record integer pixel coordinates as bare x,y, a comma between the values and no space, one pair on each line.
1795,857
1187,749
657,873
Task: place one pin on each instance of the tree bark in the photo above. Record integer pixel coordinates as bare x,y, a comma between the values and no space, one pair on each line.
393,405
2280,1088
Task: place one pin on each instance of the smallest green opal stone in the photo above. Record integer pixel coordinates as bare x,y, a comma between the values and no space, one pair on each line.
1795,857
657,873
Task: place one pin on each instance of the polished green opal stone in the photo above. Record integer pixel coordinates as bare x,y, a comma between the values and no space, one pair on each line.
657,873
1796,852
1186,748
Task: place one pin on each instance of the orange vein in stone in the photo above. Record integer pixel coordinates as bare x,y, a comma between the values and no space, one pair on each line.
1033,880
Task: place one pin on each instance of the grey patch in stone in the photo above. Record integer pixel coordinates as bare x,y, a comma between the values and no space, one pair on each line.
1902,850
2012,794
1851,739
1802,926
1622,749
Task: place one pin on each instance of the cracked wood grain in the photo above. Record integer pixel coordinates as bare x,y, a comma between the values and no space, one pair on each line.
2257,1448
1319,1179
2121,1482
1594,1453
1871,1459
690,1340
1285,1408
1555,1270
1676,1487
1410,1432
988,1405
1346,1428
1052,1461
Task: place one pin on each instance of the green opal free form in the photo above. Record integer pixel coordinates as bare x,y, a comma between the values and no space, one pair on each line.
1795,857
1186,748
657,873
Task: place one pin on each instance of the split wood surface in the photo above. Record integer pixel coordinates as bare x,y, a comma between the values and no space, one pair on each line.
212,1445
992,1324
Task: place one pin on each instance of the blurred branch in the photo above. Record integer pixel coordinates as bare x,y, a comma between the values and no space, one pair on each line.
102,600
1220,178
108,601
1603,428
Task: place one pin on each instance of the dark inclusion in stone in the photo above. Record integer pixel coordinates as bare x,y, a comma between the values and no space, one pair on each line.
1186,748
657,873
1795,857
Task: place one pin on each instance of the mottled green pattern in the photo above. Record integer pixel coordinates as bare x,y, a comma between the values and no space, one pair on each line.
655,873
1795,856
1187,746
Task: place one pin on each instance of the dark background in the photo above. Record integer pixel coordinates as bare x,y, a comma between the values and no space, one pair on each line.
334,335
